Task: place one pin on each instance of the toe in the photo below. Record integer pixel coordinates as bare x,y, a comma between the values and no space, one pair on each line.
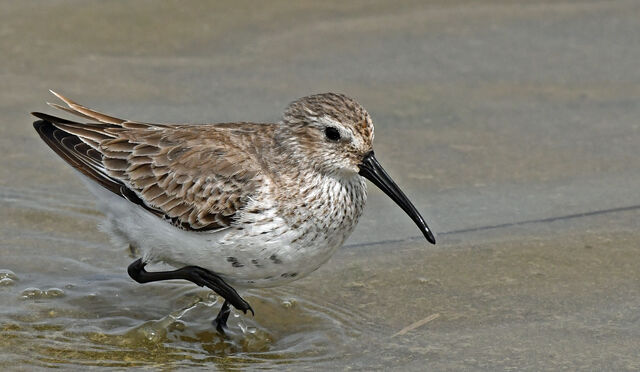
246,307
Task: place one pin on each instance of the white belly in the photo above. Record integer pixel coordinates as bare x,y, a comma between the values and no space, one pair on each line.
249,255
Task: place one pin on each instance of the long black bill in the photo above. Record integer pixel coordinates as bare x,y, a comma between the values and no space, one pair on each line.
373,171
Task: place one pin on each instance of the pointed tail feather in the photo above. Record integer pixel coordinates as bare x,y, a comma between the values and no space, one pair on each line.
85,112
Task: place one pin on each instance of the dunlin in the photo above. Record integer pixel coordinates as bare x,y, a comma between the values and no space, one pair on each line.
243,204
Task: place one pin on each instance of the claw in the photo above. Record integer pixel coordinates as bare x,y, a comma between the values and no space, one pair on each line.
250,309
218,285
197,275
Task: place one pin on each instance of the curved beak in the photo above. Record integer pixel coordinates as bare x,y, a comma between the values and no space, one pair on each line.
373,171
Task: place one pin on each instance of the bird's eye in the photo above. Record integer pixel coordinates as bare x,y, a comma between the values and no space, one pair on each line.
332,133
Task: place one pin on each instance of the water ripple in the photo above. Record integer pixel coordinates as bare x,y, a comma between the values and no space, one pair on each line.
110,327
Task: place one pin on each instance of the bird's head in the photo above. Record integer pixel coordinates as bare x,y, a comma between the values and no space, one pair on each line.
332,131
334,134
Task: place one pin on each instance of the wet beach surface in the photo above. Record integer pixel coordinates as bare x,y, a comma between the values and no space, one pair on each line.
513,126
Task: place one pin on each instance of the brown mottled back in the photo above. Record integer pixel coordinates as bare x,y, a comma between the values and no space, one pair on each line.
195,176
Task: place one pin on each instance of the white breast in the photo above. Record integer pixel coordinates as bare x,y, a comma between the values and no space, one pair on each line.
281,242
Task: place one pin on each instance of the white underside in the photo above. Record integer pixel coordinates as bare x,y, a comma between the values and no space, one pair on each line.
258,255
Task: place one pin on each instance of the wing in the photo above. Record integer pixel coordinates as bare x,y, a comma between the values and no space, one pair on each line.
197,176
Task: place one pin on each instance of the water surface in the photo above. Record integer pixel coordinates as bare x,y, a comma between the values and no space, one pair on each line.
513,126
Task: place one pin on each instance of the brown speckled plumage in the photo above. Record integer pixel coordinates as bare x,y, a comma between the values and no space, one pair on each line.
163,164
257,204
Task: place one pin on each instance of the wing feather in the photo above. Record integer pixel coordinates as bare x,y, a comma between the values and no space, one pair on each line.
195,176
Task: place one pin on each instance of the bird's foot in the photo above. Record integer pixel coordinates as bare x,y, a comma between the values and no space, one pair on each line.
204,277
194,274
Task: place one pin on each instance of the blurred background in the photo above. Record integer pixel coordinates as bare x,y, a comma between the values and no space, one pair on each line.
514,126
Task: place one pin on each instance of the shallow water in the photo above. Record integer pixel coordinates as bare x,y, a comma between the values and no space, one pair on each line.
513,126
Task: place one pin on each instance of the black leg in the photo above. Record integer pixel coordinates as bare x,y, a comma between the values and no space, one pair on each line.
221,319
195,274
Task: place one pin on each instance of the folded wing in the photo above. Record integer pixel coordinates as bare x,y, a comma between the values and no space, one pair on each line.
192,175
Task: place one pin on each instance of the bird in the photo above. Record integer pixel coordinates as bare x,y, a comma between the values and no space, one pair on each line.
229,205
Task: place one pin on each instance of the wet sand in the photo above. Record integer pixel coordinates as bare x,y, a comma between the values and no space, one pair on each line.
514,127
